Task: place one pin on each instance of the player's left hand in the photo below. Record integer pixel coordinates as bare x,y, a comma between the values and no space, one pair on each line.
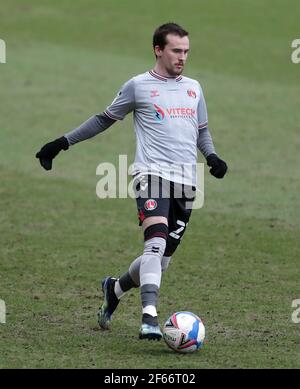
218,166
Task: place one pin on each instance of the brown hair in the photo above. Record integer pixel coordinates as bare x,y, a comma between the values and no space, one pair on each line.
159,37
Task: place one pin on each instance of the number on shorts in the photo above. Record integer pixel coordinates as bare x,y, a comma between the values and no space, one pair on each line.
175,234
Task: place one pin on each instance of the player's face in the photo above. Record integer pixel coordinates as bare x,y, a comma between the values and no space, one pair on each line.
174,55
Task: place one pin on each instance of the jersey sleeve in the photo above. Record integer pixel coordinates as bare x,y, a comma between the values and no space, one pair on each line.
91,127
202,111
123,103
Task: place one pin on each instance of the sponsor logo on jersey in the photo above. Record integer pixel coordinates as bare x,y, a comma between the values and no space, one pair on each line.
181,112
150,205
159,113
191,93
154,93
174,113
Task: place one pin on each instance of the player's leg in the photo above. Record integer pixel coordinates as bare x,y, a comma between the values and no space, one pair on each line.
153,208
114,289
131,279
178,217
155,236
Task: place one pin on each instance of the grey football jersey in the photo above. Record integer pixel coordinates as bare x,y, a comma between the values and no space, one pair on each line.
168,113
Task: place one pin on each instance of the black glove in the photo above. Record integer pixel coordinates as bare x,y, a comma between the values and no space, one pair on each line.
218,167
50,151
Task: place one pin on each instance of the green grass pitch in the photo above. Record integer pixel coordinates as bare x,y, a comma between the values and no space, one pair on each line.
238,264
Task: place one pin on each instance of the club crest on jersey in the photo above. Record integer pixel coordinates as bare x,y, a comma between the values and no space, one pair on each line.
154,93
150,205
159,113
191,93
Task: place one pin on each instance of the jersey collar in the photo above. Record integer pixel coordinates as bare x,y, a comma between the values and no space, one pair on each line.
163,78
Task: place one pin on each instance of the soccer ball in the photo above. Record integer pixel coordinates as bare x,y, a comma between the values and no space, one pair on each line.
184,332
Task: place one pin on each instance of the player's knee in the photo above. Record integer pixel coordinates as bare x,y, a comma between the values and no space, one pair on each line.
155,239
159,230
152,220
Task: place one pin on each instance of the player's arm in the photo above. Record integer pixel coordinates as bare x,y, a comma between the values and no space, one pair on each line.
91,127
205,142
119,108
206,146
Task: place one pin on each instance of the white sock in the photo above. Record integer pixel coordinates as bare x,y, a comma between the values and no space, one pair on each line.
151,310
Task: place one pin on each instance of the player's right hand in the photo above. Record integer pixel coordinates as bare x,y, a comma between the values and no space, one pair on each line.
50,150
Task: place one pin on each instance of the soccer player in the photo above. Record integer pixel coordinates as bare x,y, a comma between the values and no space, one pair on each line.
170,121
